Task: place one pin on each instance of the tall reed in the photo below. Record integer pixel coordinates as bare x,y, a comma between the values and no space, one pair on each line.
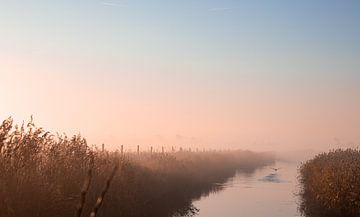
331,184
84,192
44,174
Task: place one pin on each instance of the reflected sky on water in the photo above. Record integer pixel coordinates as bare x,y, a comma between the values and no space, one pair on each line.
265,193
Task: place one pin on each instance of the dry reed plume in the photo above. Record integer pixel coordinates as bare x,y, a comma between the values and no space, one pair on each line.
331,184
44,175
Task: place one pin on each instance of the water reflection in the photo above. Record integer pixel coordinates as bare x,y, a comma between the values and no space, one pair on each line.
273,177
189,209
263,193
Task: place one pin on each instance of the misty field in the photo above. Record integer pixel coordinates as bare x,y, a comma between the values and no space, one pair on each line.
331,185
44,175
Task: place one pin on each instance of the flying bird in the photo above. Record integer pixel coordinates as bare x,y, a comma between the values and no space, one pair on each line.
275,169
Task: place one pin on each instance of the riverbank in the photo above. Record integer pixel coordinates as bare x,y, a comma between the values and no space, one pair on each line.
52,175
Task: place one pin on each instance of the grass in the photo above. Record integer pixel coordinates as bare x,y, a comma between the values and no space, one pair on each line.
44,175
331,184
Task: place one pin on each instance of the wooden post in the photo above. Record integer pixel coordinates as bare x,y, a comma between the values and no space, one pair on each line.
122,149
103,147
162,149
138,149
172,149
181,149
151,150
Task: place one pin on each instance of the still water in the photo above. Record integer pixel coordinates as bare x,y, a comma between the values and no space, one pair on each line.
264,193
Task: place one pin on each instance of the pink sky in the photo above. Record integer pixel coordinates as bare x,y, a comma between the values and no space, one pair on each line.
229,74
252,118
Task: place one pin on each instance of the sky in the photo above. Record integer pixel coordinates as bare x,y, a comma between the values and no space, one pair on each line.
260,75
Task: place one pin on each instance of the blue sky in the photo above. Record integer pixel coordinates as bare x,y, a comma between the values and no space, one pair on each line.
216,56
226,35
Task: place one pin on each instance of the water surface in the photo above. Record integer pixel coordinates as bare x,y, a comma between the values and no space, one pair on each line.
264,193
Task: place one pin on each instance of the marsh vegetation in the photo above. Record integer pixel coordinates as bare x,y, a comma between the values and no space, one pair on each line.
331,184
44,175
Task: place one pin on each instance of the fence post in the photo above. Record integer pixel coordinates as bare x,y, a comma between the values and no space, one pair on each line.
103,147
138,149
122,149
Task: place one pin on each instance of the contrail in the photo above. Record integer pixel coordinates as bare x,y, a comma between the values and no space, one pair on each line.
112,4
218,9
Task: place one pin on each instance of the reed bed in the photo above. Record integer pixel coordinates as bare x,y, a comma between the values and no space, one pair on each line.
44,175
331,184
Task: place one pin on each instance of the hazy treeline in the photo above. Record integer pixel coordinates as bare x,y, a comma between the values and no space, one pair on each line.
331,184
42,175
